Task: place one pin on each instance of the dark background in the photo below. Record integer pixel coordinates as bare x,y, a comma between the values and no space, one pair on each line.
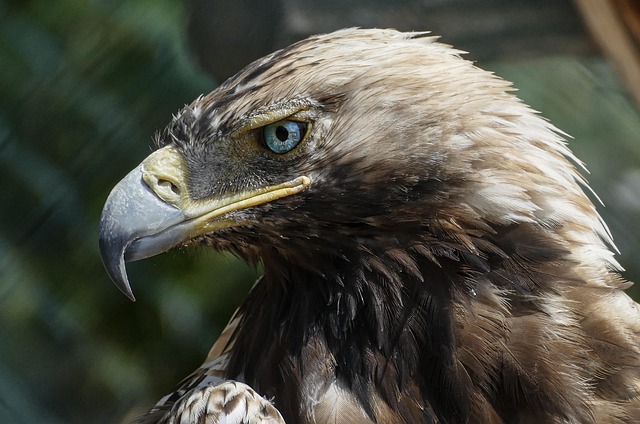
85,84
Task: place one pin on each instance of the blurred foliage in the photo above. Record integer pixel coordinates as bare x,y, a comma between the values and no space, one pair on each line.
83,87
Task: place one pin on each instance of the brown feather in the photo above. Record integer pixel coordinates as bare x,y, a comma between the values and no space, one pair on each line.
445,264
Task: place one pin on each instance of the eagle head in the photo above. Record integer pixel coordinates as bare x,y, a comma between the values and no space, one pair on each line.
371,137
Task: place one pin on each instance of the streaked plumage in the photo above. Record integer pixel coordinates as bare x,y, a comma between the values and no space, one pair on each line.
436,259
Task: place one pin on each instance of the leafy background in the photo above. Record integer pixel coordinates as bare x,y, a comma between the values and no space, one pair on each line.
83,87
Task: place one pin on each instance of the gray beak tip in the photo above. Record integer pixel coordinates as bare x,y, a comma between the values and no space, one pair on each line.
113,261
129,294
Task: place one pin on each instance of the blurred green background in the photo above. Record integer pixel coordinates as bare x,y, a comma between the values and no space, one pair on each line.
83,87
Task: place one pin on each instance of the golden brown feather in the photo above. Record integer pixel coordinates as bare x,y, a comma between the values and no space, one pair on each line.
430,254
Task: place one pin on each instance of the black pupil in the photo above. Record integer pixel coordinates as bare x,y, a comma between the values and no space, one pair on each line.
282,133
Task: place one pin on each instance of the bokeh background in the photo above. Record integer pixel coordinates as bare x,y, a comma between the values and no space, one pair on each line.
85,84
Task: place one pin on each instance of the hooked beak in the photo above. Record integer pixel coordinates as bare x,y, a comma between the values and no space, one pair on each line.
150,211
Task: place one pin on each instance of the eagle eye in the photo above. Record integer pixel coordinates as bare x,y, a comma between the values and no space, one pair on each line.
282,136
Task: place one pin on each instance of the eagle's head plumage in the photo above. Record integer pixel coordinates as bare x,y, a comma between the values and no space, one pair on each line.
430,254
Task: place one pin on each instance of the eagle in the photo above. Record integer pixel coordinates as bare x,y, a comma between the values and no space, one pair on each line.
430,252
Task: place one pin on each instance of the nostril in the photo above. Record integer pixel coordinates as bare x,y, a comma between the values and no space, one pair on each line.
168,185
165,188
164,172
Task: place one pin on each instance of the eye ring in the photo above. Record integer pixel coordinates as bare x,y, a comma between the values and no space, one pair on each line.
283,136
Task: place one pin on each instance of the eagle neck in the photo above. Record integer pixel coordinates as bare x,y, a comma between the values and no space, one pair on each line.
377,328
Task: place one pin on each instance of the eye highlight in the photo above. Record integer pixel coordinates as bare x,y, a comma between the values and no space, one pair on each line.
282,136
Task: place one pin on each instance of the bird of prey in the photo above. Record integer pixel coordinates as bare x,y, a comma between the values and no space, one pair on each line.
429,252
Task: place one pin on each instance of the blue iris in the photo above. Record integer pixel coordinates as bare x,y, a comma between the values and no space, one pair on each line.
283,136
